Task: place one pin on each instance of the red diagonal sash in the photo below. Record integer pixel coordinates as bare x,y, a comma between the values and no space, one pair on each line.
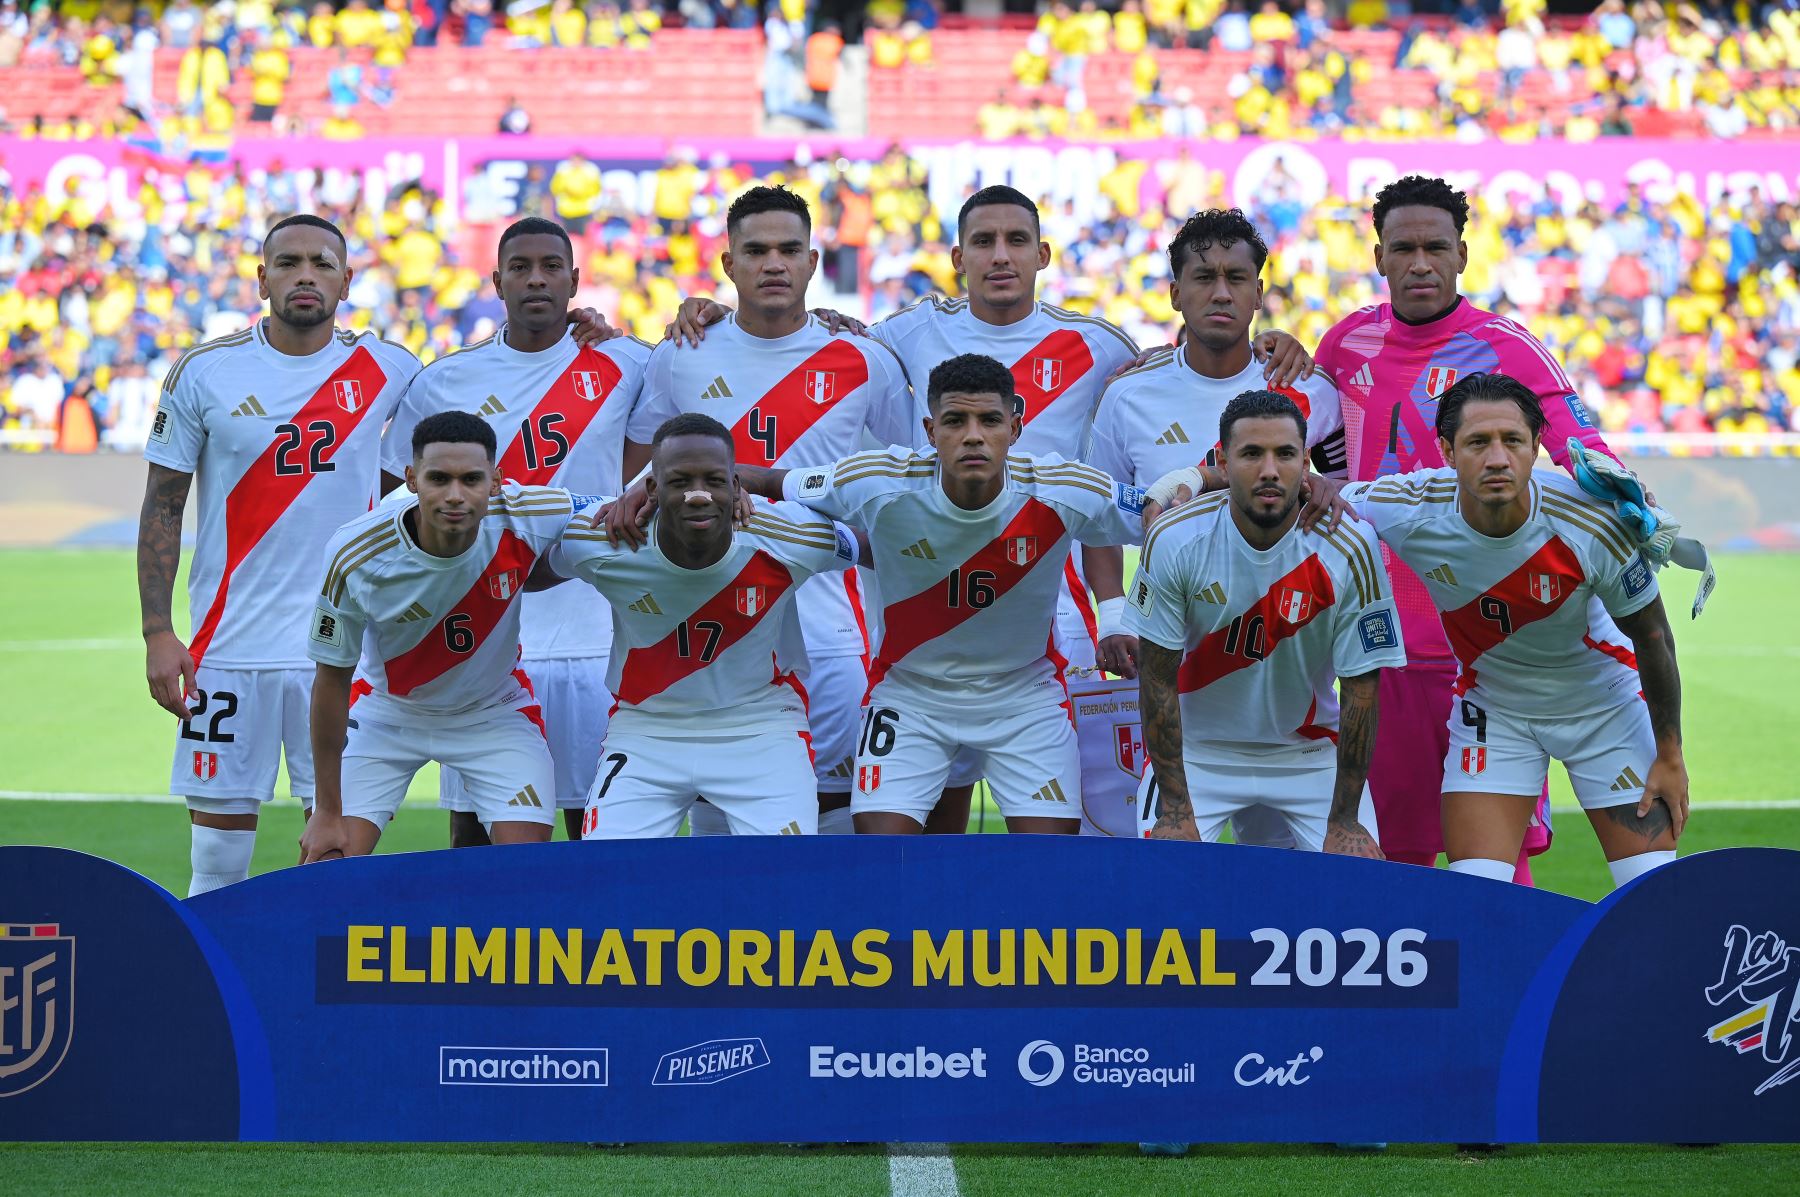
792,406
260,497
566,409
925,616
1061,360
1476,627
1221,654
433,657
649,671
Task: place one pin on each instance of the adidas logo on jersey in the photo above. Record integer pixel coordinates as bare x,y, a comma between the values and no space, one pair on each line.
645,606
249,407
1172,435
413,614
718,389
1212,592
1442,573
841,769
792,828
527,797
1051,793
492,407
921,549
1627,782
1364,378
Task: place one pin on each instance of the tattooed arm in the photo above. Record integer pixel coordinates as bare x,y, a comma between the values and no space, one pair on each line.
169,668
1667,782
1159,706
1359,700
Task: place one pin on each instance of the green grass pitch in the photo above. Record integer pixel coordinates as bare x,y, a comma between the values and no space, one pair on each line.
79,722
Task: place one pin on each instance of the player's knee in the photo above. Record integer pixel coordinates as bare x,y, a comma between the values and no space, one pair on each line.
219,856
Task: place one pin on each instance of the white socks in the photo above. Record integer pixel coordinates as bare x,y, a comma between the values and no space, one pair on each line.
1630,867
836,822
220,858
706,819
1477,866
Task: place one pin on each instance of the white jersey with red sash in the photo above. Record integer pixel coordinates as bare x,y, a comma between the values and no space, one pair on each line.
285,452
713,651
438,637
805,397
559,419
969,596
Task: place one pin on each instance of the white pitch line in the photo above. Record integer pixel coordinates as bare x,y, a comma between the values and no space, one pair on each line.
921,1170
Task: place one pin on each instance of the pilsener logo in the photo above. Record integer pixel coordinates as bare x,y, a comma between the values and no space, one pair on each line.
1028,1064
583,1067
711,1062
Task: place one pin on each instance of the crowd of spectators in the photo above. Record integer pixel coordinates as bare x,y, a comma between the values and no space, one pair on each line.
1671,316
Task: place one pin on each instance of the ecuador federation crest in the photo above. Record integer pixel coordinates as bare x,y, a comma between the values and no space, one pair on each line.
37,1003
1294,605
821,386
751,600
348,393
505,584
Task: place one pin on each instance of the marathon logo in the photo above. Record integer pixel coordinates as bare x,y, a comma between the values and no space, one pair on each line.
711,1062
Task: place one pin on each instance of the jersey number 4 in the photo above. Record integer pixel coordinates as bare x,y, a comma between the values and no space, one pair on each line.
762,431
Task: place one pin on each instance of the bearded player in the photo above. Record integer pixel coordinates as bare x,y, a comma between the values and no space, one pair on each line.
790,392
558,410
281,424
424,591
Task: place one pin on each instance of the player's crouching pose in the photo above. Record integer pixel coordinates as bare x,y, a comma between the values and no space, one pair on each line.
1511,559
707,644
1243,620
969,545
425,592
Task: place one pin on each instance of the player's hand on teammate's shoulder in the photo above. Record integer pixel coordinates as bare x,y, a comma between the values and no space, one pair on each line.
589,327
1352,839
325,837
691,319
1324,505
169,668
746,507
1172,490
1285,360
627,517
1668,780
1142,359
836,322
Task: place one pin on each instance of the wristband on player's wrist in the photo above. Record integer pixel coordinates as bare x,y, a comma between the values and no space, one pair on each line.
1112,617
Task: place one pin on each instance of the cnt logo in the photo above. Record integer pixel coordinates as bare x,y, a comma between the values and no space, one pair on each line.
37,1003
1760,983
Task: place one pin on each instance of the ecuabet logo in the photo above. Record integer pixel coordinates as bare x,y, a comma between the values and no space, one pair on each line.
1761,974
711,1062
1051,1068
37,1003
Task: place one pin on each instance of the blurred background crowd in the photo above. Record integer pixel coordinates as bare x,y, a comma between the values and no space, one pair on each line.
1673,317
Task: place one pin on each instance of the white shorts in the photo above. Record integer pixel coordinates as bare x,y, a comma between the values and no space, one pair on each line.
834,694
504,761
763,784
1025,748
1298,797
1263,827
574,699
1607,754
228,750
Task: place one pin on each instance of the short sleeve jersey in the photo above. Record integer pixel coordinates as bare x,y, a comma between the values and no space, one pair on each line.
1515,609
1263,633
1390,374
806,397
285,451
559,419
969,596
438,637
710,651
1060,362
1163,416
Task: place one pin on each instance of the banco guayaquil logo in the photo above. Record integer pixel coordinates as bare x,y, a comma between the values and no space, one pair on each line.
37,1003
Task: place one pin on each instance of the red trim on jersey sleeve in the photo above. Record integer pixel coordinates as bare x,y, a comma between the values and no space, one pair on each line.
1050,368
853,587
923,617
1307,585
1312,731
788,410
1617,652
650,670
1534,591
433,657
1078,592
575,399
257,502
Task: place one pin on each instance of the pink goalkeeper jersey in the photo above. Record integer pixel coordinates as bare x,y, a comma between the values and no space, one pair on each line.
1389,375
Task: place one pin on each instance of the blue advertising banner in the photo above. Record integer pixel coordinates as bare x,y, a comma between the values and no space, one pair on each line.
879,989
